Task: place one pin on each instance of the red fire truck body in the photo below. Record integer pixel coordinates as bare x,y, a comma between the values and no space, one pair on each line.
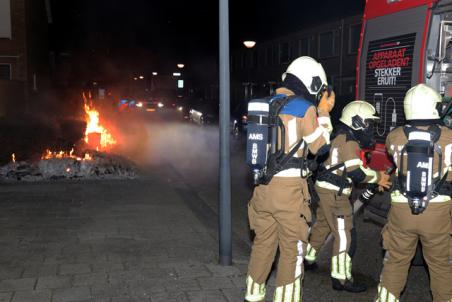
403,43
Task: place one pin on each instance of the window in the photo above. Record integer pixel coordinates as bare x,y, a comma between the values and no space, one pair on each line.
5,19
284,53
294,50
275,54
269,56
272,87
303,46
242,60
331,80
237,61
350,86
5,72
254,59
326,45
353,38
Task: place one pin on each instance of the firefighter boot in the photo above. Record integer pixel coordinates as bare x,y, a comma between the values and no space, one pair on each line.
341,274
310,259
310,266
254,292
348,285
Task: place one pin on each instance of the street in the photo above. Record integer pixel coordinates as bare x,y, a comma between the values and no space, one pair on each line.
153,238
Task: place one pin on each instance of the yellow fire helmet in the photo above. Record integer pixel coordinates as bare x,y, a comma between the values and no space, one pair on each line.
356,113
309,72
420,103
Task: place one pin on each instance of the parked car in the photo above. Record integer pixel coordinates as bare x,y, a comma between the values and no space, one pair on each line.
149,105
203,112
126,104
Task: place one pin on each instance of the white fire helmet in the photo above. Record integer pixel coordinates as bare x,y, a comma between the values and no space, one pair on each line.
420,103
309,72
357,114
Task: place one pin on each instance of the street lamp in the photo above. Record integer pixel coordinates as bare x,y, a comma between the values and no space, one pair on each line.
154,73
141,77
249,43
180,65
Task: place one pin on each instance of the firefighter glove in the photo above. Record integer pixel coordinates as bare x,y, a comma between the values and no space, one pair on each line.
326,103
384,180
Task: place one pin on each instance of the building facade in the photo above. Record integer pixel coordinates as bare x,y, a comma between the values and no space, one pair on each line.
256,72
24,53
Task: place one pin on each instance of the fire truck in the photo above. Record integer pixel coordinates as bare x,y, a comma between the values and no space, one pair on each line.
403,43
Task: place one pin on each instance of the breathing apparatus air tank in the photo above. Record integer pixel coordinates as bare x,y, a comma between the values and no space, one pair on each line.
257,136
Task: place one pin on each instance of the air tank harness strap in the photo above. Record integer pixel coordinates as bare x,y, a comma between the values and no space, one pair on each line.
283,162
340,181
440,188
258,119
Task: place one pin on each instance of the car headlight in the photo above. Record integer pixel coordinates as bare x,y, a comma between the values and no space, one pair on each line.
160,105
180,108
139,104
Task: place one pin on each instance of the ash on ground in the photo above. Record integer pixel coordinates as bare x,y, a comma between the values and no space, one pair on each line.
99,166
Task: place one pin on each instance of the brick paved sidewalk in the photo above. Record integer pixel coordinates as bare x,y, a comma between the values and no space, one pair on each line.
133,240
150,239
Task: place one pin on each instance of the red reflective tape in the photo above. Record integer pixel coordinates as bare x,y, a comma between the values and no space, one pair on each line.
424,41
358,57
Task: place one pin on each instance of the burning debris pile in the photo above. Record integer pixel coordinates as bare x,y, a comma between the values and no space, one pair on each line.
95,163
62,165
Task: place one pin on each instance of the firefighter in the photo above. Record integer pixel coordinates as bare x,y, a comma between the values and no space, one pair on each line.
421,205
342,170
279,211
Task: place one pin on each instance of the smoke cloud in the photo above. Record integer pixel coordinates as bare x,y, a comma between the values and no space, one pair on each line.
162,138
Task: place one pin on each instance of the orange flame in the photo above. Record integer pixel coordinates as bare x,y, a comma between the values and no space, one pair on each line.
93,126
64,154
13,157
60,154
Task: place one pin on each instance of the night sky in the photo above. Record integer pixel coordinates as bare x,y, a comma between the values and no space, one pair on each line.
178,30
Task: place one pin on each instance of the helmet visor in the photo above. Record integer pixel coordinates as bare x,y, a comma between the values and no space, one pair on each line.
370,122
365,136
444,108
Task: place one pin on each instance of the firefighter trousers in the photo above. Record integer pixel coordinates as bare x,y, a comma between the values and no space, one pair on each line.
279,214
334,215
433,228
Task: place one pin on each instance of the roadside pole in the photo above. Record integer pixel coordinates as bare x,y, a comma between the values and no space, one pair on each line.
225,240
